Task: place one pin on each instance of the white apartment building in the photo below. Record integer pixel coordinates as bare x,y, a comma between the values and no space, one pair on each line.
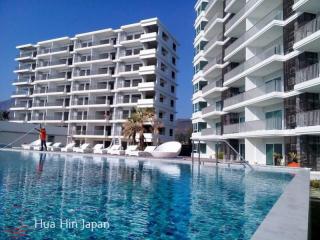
92,82
256,80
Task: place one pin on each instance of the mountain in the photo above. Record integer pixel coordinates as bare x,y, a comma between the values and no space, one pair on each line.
183,125
6,104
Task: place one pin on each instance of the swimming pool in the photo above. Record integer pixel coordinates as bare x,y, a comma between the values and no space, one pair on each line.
134,199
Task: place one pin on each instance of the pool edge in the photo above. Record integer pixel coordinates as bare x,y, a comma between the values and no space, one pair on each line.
288,218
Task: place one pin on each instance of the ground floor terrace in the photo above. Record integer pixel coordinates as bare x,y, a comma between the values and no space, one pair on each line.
303,150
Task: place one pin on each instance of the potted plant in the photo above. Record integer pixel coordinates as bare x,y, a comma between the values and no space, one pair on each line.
220,155
293,158
278,159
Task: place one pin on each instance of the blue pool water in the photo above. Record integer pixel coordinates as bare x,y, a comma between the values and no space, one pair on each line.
132,199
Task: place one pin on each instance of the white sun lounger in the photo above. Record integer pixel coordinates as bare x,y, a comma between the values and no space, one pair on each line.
116,150
130,149
84,148
147,152
31,145
68,148
55,147
38,147
98,148
167,150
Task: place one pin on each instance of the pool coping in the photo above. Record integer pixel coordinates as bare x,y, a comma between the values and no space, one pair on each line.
289,217
291,209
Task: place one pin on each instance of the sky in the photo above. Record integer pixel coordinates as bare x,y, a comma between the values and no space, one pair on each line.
31,21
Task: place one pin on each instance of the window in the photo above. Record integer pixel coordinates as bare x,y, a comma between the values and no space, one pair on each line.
137,51
171,132
162,82
160,115
163,67
127,68
129,37
136,66
174,46
173,75
162,131
172,103
128,52
165,37
164,52
135,82
161,99
171,117
173,60
172,88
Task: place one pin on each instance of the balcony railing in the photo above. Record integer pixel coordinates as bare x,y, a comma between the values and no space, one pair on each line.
272,86
307,29
211,131
92,132
49,118
92,117
26,67
53,50
273,15
20,92
85,73
212,108
236,17
50,76
50,90
81,102
95,43
267,124
215,84
213,41
275,50
104,56
91,87
49,104
308,73
27,54
214,18
52,63
212,62
310,118
24,79
20,105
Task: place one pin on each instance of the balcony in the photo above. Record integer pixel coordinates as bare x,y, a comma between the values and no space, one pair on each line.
23,80
94,118
20,118
146,86
26,55
91,133
147,70
50,91
146,103
49,105
211,132
149,37
270,124
55,50
213,25
213,89
49,118
212,111
51,78
309,118
267,62
307,37
61,63
76,103
267,94
310,6
234,6
20,106
215,41
100,44
270,25
148,53
307,79
20,93
95,73
213,67
25,68
92,88
94,58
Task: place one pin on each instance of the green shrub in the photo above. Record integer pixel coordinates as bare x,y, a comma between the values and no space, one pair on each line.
315,183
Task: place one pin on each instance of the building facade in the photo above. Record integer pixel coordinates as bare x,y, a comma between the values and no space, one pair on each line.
256,80
92,82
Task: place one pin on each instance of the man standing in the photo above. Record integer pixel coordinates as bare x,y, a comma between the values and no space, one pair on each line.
43,137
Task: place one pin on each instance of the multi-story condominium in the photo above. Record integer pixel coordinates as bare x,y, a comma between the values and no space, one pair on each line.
92,82
256,80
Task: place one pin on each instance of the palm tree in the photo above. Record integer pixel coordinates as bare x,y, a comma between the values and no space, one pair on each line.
136,125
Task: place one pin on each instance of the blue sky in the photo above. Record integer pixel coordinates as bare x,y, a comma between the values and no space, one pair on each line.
30,21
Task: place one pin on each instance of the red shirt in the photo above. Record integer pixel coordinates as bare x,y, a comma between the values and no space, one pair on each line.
43,135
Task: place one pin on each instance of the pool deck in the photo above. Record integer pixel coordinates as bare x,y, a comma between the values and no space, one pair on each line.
287,220
289,217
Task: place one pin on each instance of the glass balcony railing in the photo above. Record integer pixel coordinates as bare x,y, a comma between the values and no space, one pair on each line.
211,131
307,29
266,124
212,62
272,86
308,73
241,13
210,86
273,15
212,108
275,50
53,50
